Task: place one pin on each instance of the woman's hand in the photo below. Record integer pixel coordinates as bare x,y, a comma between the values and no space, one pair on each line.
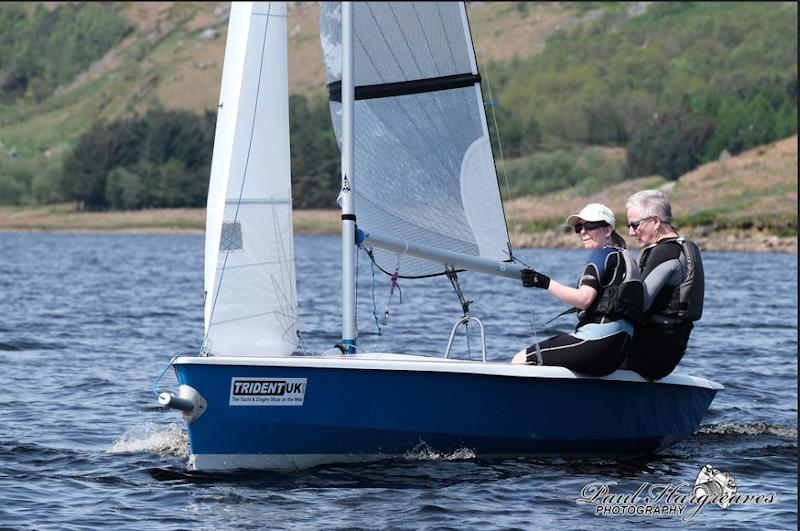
534,279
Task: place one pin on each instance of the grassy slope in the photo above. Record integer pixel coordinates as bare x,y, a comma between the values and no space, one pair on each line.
747,202
170,61
174,59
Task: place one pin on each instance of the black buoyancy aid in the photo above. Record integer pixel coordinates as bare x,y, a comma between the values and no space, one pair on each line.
684,301
623,298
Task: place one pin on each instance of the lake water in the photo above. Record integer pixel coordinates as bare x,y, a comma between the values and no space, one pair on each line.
89,321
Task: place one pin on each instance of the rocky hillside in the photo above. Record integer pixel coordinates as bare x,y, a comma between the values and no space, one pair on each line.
745,202
180,48
172,59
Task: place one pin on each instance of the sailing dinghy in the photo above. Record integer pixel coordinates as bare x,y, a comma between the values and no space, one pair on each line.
419,179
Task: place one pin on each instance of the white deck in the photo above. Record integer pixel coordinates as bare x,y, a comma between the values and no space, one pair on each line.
403,362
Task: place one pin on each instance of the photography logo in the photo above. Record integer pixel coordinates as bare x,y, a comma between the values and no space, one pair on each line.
719,485
712,487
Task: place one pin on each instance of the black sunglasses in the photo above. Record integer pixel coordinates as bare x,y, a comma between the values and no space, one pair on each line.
589,225
635,224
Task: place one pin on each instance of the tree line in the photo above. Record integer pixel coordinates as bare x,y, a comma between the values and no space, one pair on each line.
163,160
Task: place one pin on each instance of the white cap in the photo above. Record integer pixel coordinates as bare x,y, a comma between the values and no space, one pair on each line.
593,212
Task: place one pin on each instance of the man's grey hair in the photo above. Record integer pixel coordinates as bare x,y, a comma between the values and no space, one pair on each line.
651,203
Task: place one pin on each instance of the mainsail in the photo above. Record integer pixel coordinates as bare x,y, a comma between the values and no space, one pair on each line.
251,303
424,171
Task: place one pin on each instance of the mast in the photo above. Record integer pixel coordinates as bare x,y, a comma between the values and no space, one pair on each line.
346,198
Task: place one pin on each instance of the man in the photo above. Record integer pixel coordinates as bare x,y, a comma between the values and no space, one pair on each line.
672,274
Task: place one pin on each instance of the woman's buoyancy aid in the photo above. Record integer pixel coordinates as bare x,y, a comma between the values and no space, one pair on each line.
622,297
685,300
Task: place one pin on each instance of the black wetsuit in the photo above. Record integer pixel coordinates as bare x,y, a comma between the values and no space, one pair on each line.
600,343
659,342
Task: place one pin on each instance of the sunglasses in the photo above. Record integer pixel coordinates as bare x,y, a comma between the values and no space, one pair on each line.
635,224
589,225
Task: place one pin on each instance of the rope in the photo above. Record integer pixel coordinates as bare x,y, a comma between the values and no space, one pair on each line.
393,280
155,384
375,307
453,276
355,302
301,340
394,285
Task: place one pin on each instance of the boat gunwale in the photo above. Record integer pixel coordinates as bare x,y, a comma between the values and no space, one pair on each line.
404,362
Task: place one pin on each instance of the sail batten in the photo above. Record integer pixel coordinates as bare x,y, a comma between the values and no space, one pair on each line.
402,88
261,201
424,171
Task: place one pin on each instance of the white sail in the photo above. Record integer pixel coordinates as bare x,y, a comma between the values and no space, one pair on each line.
251,302
424,171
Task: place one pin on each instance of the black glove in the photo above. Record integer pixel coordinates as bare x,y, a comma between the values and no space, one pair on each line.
532,279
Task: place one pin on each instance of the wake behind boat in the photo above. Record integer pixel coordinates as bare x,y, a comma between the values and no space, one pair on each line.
418,176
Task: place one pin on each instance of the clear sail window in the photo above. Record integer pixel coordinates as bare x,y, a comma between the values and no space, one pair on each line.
231,239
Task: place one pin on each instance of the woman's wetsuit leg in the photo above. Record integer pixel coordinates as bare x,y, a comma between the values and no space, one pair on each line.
597,357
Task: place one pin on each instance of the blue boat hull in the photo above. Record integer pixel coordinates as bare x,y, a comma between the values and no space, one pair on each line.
362,413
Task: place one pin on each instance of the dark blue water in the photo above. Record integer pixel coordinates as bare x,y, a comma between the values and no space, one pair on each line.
89,321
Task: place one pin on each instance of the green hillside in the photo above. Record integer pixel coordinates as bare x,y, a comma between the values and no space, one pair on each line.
676,86
169,57
585,95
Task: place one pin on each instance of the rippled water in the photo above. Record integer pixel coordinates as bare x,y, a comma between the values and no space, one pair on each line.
89,321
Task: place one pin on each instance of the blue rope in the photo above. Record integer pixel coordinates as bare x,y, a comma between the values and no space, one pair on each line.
355,317
155,384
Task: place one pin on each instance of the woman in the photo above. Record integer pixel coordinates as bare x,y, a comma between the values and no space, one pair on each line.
600,341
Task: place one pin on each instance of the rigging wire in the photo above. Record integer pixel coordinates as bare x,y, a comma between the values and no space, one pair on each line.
512,216
531,317
381,323
492,102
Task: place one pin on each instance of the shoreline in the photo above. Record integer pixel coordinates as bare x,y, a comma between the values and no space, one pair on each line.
63,218
727,241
